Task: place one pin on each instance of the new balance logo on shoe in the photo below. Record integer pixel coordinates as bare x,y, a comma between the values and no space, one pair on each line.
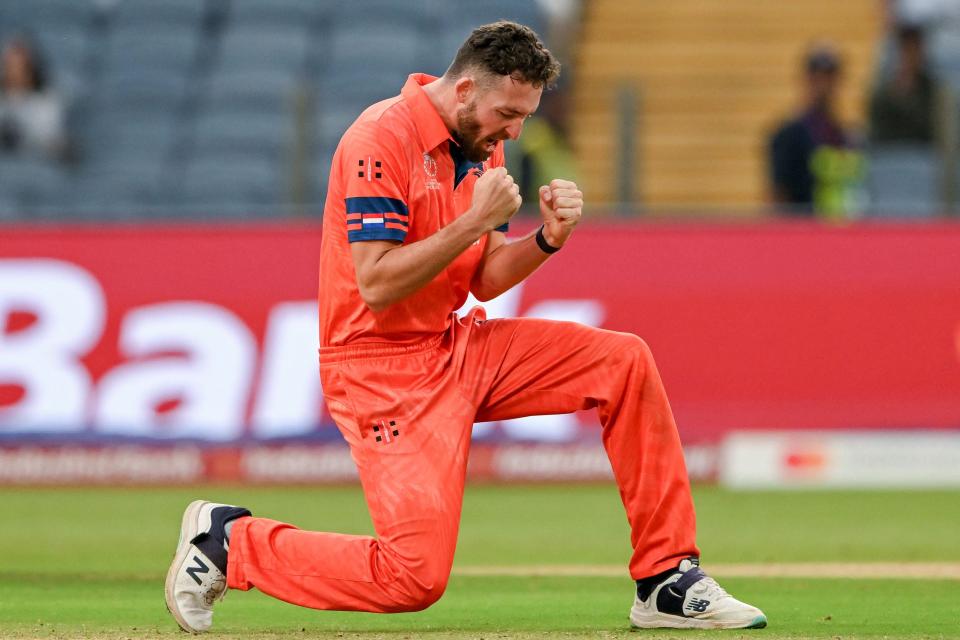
690,599
698,605
197,577
200,568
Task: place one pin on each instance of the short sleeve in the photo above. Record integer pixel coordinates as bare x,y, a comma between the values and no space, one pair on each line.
497,160
376,177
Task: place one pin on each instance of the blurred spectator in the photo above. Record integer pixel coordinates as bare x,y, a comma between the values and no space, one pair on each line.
926,12
543,151
31,114
902,105
814,167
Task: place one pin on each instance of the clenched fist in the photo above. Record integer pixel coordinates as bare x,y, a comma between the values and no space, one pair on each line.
496,197
561,205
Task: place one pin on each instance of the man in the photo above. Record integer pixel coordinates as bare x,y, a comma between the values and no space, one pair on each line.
415,218
814,169
902,106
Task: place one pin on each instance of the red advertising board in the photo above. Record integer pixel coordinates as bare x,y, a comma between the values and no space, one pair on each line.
205,336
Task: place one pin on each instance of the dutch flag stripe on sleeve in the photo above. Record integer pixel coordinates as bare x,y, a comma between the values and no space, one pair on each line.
376,218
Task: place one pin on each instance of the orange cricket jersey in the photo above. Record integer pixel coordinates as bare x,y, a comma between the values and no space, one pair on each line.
396,175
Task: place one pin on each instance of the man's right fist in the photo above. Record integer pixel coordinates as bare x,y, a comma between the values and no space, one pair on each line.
496,197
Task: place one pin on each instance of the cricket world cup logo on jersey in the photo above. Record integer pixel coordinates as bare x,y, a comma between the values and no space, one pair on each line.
430,168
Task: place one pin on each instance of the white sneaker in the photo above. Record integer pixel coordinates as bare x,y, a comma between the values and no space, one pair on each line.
198,575
690,599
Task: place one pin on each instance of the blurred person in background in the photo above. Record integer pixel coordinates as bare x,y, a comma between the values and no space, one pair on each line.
902,105
814,167
32,119
543,151
942,14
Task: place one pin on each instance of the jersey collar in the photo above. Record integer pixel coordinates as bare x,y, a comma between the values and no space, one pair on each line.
430,127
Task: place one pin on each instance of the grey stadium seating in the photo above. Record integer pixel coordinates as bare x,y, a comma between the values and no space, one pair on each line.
184,107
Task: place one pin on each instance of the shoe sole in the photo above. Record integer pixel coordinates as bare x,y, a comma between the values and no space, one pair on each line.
188,531
692,623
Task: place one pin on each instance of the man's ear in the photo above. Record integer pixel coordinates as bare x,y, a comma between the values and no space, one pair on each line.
464,87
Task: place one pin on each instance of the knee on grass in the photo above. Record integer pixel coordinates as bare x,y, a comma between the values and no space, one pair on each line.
417,590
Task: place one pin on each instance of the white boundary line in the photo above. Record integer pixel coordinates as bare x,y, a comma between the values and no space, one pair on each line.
885,570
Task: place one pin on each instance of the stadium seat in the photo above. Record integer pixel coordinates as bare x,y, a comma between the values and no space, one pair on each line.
397,49
266,92
143,93
120,141
150,15
133,52
416,14
32,184
249,48
144,142
41,15
120,190
63,45
248,181
242,132
66,51
904,181
276,13
9,209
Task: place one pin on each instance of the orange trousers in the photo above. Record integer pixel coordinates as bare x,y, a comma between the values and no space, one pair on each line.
407,413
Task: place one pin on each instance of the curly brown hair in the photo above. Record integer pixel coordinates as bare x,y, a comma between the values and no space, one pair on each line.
507,49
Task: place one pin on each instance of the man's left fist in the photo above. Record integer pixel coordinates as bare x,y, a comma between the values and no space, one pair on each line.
561,205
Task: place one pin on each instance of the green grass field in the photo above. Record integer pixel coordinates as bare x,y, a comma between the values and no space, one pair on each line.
89,563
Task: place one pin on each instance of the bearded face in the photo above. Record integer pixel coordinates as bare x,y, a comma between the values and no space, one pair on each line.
492,111
467,135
